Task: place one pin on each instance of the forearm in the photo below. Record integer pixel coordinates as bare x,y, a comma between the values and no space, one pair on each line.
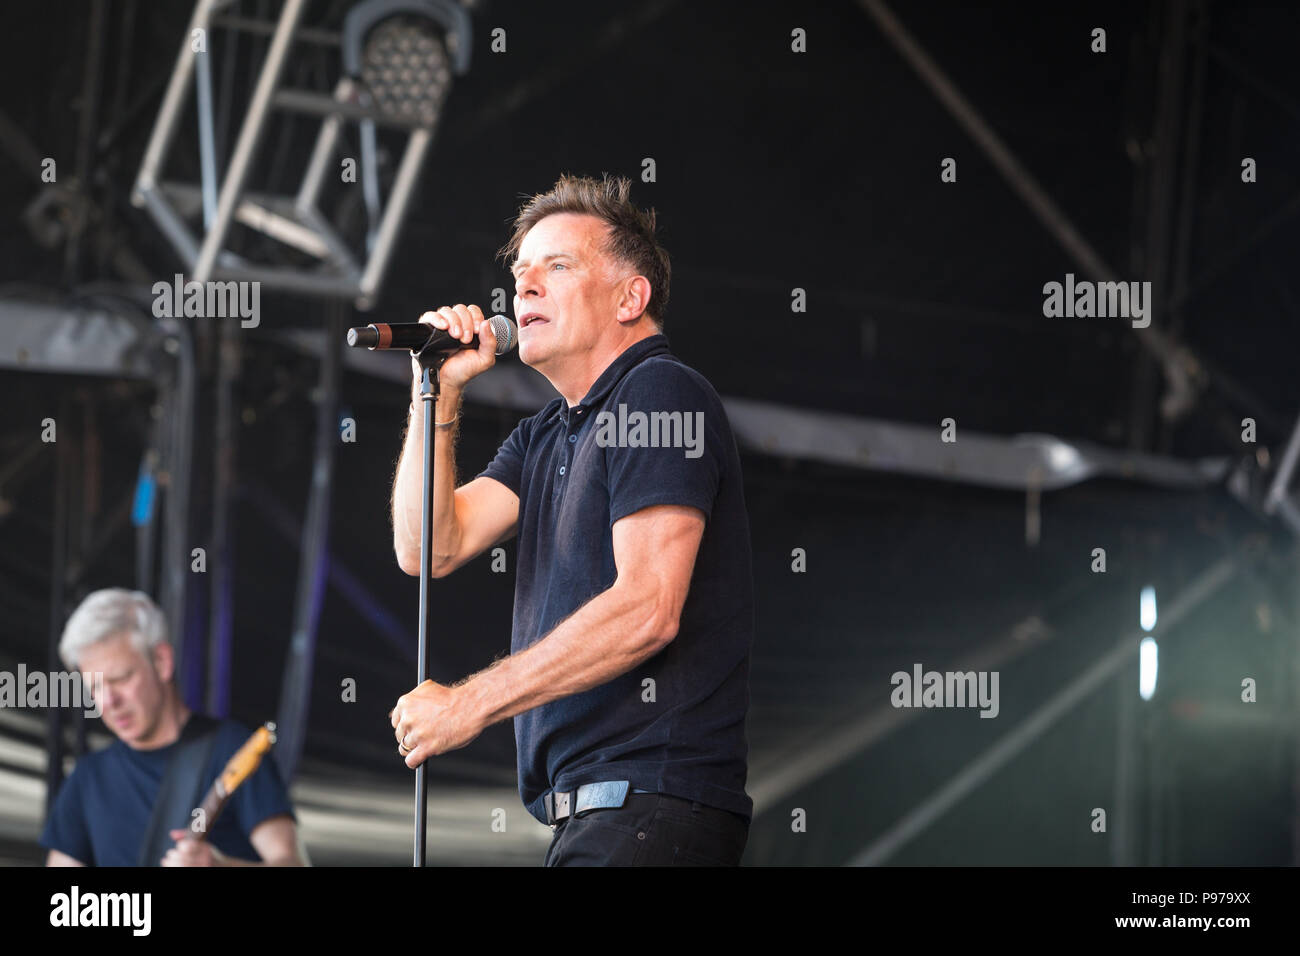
606,637
408,484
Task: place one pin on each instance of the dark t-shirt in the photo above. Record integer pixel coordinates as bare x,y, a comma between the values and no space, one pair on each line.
104,808
579,470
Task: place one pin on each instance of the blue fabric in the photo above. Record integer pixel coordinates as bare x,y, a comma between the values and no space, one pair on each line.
690,741
103,809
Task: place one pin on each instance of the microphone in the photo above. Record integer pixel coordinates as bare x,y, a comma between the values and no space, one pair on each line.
417,336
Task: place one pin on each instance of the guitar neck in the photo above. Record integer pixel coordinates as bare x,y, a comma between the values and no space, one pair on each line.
240,768
205,817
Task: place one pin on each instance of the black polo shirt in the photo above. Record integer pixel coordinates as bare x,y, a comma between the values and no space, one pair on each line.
651,431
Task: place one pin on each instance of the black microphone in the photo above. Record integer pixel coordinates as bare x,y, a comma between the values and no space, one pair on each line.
417,336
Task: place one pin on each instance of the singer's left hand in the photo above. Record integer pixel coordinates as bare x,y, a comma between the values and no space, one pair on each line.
433,719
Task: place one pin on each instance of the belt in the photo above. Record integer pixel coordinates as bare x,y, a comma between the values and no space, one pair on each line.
560,805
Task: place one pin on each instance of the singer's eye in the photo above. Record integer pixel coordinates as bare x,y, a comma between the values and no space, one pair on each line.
558,265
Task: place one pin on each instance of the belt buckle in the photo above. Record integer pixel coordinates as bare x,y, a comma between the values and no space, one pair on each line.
597,796
589,796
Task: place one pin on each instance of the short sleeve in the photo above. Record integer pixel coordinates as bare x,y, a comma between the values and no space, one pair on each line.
262,796
664,436
66,829
508,465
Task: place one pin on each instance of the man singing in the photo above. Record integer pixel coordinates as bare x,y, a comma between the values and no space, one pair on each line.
634,613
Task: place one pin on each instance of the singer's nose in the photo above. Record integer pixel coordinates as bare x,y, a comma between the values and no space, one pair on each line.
527,283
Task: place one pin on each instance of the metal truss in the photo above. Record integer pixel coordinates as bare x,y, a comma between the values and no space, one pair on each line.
397,56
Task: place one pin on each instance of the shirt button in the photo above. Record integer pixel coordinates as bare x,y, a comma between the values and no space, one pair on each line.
561,469
572,439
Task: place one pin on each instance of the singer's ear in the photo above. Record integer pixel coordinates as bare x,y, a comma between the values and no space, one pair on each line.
635,298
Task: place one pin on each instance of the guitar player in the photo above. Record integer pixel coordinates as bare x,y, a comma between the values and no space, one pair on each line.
130,804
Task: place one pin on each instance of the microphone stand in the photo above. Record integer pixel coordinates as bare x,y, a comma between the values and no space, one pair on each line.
431,364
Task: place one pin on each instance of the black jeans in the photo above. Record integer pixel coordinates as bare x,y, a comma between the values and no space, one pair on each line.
650,829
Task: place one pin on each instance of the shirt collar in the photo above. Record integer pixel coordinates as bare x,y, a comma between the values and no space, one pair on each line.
631,356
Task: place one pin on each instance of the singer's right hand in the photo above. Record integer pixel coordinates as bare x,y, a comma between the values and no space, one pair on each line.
463,322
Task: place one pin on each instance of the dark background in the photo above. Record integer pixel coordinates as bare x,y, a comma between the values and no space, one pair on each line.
777,170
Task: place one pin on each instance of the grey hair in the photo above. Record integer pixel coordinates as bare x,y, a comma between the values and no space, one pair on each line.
106,613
